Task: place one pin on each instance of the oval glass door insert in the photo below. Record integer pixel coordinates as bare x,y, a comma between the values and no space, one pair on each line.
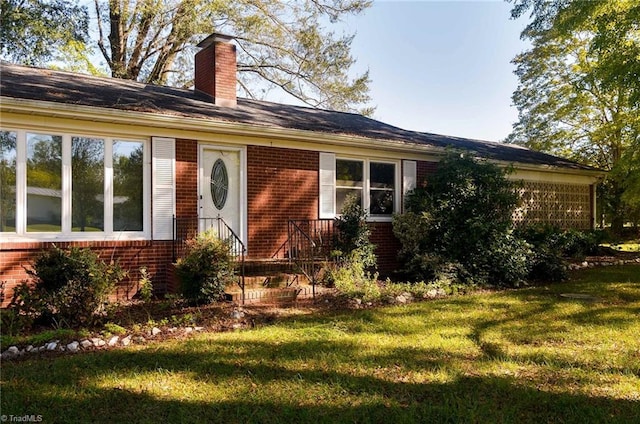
219,184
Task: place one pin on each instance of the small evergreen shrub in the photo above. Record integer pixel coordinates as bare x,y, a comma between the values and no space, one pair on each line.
578,244
352,238
205,269
71,286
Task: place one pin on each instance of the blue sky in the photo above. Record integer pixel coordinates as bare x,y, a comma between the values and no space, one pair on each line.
441,66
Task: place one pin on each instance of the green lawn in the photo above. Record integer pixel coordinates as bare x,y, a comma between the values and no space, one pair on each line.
628,246
525,356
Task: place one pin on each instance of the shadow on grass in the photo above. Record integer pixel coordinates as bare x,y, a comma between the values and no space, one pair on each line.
267,383
334,379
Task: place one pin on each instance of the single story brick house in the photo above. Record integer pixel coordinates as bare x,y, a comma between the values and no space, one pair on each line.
117,165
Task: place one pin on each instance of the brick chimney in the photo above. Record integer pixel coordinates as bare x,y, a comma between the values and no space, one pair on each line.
216,68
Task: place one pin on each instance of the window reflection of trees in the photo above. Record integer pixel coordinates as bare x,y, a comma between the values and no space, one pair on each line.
128,187
349,181
44,182
7,181
382,188
87,187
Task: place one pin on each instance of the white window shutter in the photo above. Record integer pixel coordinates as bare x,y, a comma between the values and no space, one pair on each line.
327,197
163,178
409,176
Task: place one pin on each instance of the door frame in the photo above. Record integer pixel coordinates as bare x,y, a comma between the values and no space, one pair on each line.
242,153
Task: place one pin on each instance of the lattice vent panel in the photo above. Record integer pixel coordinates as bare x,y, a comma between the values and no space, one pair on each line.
562,205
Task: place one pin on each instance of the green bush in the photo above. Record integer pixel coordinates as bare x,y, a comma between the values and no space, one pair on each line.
551,245
569,243
353,275
578,244
70,287
460,222
353,281
205,269
145,285
352,238
411,230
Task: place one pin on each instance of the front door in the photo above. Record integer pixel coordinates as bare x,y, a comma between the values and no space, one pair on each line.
220,188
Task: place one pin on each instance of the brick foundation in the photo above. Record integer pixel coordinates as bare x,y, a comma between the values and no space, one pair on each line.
131,255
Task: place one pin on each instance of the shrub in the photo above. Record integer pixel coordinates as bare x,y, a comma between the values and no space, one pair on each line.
353,281
353,234
352,276
205,269
461,221
551,245
578,244
145,285
70,287
547,265
418,263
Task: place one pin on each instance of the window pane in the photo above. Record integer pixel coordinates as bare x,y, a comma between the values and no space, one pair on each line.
87,184
7,181
382,180
44,183
382,175
381,202
127,186
348,173
341,197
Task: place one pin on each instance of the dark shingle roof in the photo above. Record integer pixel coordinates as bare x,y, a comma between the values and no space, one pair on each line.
64,87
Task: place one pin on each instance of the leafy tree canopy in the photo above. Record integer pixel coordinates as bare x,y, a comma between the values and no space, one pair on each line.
281,44
37,31
578,92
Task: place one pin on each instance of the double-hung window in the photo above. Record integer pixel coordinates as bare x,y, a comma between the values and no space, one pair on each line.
66,186
374,183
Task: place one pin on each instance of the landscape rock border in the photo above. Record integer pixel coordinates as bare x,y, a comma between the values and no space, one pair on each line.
594,261
238,316
113,341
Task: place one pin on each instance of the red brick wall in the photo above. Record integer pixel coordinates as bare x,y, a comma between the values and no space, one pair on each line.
204,69
387,247
186,178
282,184
131,255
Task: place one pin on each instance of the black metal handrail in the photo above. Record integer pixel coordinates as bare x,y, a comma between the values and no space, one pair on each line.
309,242
185,228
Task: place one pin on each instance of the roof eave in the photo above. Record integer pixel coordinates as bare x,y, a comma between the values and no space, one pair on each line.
178,122
596,173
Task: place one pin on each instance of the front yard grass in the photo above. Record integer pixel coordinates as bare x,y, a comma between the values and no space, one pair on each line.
565,353
627,246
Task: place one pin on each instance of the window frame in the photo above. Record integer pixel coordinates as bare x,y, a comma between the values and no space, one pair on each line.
366,186
67,233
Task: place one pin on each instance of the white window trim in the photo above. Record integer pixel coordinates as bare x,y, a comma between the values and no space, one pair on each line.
366,186
22,235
